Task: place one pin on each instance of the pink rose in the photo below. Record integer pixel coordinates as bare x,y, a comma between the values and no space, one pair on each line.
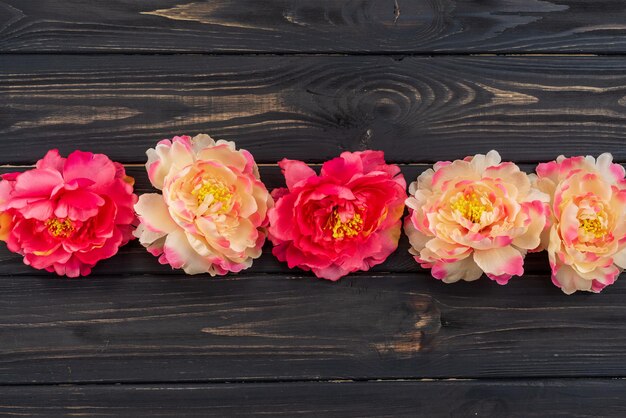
587,241
346,219
212,215
472,216
67,214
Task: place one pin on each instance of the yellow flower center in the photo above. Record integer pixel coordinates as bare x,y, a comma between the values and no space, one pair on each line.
60,228
218,190
341,229
470,206
593,226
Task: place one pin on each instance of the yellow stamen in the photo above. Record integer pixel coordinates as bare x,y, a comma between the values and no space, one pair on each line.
593,226
470,206
218,190
341,229
60,228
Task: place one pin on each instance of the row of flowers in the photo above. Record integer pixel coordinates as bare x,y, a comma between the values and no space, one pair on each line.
213,215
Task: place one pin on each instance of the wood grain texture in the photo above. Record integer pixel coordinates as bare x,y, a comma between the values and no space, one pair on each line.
134,259
419,80
312,108
265,327
385,26
457,398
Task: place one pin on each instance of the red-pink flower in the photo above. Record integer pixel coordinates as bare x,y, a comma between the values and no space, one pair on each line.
346,219
65,215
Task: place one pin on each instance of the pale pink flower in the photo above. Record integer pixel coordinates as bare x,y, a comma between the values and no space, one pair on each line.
472,216
587,240
212,215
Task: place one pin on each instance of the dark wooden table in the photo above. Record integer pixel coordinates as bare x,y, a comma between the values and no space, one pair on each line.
422,80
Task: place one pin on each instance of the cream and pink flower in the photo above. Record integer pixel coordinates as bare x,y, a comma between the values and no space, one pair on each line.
472,216
67,214
346,219
587,240
212,214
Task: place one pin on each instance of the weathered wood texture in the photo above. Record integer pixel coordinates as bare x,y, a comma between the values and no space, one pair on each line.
458,398
261,327
414,78
382,26
416,109
134,259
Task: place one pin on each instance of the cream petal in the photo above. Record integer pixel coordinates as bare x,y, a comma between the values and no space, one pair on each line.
181,254
510,175
445,250
243,236
620,258
249,204
146,236
163,158
531,239
229,144
569,280
545,186
465,269
416,238
200,142
537,195
480,162
153,212
500,261
613,173
568,226
180,155
553,241
424,181
224,155
584,183
456,171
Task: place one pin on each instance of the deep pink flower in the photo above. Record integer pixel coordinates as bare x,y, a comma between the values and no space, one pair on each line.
65,215
346,219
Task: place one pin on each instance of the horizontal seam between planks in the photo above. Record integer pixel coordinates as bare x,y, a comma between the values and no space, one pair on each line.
270,381
400,54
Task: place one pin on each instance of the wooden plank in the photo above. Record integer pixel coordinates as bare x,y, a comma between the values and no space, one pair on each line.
312,26
134,259
262,327
458,398
312,108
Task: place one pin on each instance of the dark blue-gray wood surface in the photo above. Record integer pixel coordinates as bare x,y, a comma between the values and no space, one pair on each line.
421,80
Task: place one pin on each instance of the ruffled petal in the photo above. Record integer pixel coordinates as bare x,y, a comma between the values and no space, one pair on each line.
153,213
295,172
465,269
500,264
180,254
95,167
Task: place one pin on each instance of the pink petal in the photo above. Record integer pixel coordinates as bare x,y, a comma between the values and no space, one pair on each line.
295,171
52,160
41,210
85,165
343,168
78,205
35,184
